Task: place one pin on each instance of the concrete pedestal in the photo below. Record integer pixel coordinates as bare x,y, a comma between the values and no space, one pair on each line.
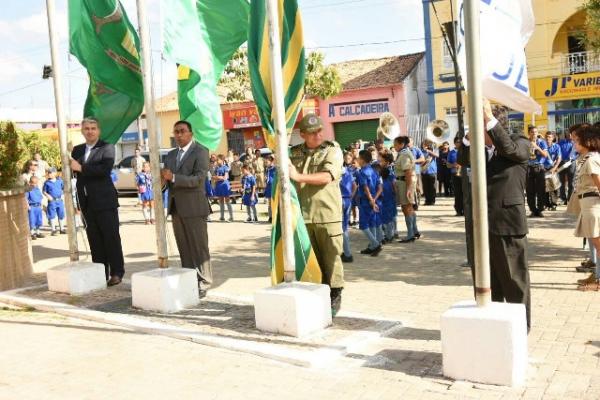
76,278
486,345
294,309
165,289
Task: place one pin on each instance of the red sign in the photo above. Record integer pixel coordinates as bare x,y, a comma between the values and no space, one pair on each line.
241,118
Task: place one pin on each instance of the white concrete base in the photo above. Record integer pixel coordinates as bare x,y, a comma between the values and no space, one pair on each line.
165,289
486,345
294,309
76,278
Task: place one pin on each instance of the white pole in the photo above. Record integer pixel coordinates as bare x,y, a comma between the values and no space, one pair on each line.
62,131
146,62
285,205
478,156
140,133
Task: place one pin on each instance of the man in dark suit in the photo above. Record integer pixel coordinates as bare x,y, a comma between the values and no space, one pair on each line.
184,171
92,163
506,180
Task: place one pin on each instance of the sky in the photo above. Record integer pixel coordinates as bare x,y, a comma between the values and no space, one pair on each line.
341,29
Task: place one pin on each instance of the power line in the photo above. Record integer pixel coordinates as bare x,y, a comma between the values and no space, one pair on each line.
21,88
366,44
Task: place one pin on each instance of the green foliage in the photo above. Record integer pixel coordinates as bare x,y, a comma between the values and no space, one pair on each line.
11,151
590,35
32,142
321,81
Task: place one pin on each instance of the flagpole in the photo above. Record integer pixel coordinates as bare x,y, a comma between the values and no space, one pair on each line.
146,63
285,204
478,157
62,131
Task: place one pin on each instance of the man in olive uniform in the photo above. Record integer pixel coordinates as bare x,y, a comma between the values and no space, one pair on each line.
316,168
406,187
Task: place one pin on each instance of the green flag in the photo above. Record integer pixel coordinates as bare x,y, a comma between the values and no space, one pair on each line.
201,37
106,44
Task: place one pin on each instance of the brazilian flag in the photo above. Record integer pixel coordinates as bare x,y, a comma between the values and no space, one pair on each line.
107,45
293,65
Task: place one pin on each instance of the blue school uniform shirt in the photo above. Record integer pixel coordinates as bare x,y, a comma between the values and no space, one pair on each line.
248,182
269,180
431,168
367,177
34,196
539,159
554,152
452,157
567,152
346,182
418,154
54,188
388,190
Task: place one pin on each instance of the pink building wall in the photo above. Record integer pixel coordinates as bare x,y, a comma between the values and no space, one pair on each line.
373,100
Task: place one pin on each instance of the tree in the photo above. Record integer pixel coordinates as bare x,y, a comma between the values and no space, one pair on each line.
321,80
590,35
11,151
32,143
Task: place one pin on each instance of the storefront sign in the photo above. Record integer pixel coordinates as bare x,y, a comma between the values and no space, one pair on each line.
241,118
570,86
129,137
358,109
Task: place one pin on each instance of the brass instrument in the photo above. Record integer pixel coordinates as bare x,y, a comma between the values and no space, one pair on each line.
388,126
438,132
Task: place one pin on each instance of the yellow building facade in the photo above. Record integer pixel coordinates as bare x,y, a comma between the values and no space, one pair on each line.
564,78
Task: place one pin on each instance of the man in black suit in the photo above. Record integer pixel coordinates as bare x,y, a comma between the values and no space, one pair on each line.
506,181
184,172
92,163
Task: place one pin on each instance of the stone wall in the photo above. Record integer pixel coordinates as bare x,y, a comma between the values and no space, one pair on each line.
16,259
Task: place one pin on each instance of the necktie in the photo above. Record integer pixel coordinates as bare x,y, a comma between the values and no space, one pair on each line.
179,157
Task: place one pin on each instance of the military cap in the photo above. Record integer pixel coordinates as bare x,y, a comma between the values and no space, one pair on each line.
310,123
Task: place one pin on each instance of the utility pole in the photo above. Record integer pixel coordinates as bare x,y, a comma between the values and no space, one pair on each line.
146,63
285,204
62,131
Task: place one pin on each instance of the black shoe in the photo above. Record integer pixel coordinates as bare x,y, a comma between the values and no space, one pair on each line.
33,237
348,259
255,220
407,240
418,235
366,251
540,215
376,251
39,235
248,219
54,233
336,300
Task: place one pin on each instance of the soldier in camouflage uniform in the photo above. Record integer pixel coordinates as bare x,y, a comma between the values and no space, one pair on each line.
316,168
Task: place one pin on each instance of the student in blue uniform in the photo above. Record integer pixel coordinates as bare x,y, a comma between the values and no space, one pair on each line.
536,174
551,166
379,201
144,183
367,189
270,176
389,211
34,207
348,188
249,198
53,190
222,187
355,169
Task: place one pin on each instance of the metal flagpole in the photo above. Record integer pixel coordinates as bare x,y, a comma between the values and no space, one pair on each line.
62,131
146,62
478,155
285,205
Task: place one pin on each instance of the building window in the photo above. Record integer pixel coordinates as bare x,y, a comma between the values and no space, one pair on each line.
450,111
447,63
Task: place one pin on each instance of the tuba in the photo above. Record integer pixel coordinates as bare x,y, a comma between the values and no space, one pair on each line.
438,131
388,126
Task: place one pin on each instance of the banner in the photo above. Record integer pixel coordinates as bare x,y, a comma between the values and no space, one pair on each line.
107,45
201,37
505,29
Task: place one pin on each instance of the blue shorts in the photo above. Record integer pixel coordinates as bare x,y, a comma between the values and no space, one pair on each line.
367,218
35,217
388,212
346,206
249,200
148,195
55,208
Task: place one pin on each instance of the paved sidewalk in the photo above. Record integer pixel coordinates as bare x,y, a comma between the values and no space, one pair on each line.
412,283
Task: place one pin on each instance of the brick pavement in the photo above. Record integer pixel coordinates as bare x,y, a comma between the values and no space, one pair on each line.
412,283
